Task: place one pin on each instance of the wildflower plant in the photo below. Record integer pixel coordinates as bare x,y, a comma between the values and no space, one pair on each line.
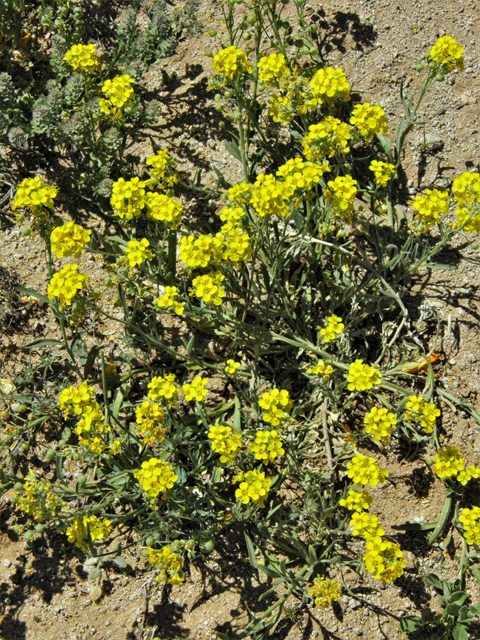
288,298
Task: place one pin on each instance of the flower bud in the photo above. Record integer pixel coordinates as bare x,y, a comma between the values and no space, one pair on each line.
420,67
212,33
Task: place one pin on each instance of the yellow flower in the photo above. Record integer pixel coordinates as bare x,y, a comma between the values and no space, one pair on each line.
362,377
470,518
163,208
333,329
277,404
155,477
466,189
384,561
209,289
230,62
138,252
267,446
321,369
69,240
199,252
169,563
39,500
366,525
34,194
161,167
356,500
379,423
169,299
272,67
328,85
324,592
364,470
128,197
224,442
268,197
232,366
76,399
429,207
163,388
383,171
448,462
149,425
341,194
448,53
65,284
88,527
255,487
369,120
196,390
83,57
118,94
325,138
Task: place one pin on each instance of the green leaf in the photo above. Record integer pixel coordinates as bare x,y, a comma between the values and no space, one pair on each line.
443,520
120,562
459,597
414,526
33,294
476,571
95,573
441,267
428,615
123,300
90,361
42,342
233,148
251,552
237,415
410,623
460,633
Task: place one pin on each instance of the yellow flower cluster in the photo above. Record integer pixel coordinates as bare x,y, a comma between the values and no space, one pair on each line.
272,67
39,500
76,400
269,197
382,171
196,390
163,388
199,252
231,217
224,442
369,120
155,477
163,208
138,252
341,194
449,463
88,527
33,193
466,189
128,197
237,246
267,446
169,563
280,109
65,284
324,592
325,138
379,423
448,53
356,500
364,470
169,299
209,289
277,404
232,366
424,412
362,377
82,57
328,85
384,560
429,207
149,425
230,62
470,518
161,169
333,329
118,94
366,525
298,174
69,240
321,369
253,486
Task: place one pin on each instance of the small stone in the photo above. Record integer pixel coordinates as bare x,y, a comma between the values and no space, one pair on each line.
6,562
434,142
358,631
